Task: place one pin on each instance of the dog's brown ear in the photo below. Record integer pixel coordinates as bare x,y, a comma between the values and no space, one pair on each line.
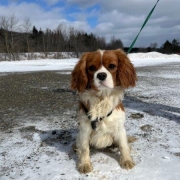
126,74
79,78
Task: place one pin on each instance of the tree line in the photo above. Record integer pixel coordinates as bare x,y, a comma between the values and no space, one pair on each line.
21,37
167,47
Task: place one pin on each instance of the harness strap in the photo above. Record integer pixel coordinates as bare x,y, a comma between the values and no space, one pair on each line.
94,122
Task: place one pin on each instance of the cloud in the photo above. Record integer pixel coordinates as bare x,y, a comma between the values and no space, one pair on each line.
42,18
38,16
80,25
82,3
122,18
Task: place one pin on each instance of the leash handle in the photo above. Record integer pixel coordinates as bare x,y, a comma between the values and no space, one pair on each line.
146,20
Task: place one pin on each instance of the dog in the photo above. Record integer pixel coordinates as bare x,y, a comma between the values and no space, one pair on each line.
100,78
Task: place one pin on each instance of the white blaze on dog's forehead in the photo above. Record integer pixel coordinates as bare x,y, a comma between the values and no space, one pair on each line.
101,52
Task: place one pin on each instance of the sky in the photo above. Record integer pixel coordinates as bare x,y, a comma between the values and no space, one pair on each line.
121,19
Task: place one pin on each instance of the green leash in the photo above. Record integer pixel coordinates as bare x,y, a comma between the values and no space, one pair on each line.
149,15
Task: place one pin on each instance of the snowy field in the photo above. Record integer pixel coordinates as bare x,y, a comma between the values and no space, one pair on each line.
39,148
138,59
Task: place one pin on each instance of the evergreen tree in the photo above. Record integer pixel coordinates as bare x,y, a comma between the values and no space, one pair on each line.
175,46
167,47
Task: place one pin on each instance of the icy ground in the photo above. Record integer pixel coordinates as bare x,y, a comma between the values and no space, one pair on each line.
40,147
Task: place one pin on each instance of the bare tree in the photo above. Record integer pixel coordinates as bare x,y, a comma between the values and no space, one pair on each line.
10,27
153,46
60,36
46,37
101,42
27,28
5,34
14,40
76,39
74,43
115,43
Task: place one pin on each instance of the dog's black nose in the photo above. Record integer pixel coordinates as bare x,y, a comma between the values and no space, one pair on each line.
101,76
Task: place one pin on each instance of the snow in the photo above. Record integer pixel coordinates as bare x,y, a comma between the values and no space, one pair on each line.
152,58
153,152
37,65
138,59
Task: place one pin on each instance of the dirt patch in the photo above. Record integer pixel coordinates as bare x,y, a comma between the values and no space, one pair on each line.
34,94
146,128
177,154
136,116
29,129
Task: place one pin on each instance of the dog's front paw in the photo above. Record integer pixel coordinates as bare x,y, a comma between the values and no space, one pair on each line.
127,164
85,168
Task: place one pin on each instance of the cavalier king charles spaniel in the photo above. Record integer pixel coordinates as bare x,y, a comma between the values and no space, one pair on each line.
100,78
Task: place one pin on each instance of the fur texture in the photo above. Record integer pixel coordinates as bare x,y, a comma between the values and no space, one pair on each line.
100,78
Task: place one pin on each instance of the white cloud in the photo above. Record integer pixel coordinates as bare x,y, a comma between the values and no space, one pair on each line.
41,18
38,16
80,25
121,18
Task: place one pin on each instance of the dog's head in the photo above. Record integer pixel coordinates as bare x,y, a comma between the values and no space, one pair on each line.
103,69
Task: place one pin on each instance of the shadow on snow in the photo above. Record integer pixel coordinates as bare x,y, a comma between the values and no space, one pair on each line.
153,109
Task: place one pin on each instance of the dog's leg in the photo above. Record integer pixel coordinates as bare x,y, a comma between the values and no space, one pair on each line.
126,160
82,144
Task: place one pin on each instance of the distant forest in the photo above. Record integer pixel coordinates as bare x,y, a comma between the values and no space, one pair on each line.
21,37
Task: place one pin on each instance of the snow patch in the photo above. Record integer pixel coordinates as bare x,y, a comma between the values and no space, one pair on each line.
138,59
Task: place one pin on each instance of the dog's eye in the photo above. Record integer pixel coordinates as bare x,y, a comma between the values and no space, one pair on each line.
92,68
112,66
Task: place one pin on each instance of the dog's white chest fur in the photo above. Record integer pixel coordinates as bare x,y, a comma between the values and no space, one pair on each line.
107,129
102,102
106,132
